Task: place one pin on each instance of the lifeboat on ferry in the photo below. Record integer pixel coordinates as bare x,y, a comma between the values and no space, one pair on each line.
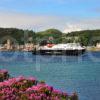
50,45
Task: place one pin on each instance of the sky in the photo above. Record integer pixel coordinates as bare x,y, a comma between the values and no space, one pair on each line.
39,15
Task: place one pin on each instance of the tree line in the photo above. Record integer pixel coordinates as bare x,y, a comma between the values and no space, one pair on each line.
86,37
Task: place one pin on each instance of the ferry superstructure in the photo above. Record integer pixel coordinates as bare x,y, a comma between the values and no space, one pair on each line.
60,49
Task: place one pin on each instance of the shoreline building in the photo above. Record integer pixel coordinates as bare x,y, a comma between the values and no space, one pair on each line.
8,45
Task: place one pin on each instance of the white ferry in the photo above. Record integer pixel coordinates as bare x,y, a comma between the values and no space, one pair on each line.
60,49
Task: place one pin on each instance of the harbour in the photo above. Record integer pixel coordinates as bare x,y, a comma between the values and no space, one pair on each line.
49,50
66,73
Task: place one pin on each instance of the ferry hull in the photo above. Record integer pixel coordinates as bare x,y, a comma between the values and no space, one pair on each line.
59,52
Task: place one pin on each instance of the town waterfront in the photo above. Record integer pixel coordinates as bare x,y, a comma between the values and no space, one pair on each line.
66,73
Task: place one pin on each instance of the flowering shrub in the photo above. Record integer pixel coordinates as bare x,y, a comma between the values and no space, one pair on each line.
21,88
3,75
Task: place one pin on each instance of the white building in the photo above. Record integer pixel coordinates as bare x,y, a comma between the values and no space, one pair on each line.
8,45
98,45
28,47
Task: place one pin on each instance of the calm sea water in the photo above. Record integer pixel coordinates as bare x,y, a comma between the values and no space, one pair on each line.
81,74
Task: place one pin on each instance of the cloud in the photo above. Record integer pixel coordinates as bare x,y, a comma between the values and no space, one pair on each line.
71,28
27,21
42,22
82,24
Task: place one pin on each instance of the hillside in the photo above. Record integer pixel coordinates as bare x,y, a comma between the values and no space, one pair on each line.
87,37
15,34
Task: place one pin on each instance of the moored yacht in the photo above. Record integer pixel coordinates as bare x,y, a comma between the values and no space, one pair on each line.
60,49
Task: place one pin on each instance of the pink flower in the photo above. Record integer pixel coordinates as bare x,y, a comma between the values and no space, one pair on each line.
3,71
35,88
32,78
57,92
20,78
20,87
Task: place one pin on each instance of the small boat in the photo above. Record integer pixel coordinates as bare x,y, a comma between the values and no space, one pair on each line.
60,49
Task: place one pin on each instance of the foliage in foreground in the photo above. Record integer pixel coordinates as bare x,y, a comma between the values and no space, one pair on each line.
21,88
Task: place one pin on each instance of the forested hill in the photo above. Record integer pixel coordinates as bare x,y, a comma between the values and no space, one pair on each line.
85,33
87,37
84,37
17,34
